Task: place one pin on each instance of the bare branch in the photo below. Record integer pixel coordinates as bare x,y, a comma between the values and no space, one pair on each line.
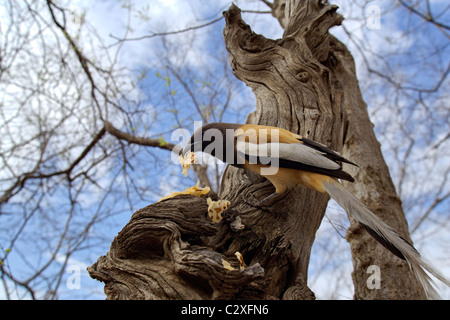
167,33
425,16
138,140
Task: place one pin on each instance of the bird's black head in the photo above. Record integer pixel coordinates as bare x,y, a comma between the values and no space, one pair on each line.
213,138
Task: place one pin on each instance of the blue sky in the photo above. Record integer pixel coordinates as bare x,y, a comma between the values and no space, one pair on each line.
395,49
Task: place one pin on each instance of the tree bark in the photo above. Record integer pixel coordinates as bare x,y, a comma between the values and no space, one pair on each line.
374,187
306,83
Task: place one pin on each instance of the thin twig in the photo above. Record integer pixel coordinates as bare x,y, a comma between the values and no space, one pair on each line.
167,33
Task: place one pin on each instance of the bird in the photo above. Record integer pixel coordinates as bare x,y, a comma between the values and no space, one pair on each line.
287,159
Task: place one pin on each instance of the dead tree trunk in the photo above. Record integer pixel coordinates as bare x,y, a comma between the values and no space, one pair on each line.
305,83
374,187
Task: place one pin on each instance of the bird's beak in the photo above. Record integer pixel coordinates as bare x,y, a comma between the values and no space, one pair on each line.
186,149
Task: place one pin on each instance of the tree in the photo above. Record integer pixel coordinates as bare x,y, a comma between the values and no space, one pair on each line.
86,130
304,82
74,120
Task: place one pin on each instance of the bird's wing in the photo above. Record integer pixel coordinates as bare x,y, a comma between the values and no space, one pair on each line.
286,154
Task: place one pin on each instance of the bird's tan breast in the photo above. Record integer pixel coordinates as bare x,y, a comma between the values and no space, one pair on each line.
283,178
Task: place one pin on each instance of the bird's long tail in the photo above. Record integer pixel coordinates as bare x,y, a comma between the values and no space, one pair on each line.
386,236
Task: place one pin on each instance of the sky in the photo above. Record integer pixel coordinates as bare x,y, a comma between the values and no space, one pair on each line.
198,53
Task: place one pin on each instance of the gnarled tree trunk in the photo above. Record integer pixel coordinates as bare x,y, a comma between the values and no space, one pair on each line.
374,187
305,83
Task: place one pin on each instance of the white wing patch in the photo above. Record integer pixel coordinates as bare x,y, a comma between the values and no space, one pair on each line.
296,152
